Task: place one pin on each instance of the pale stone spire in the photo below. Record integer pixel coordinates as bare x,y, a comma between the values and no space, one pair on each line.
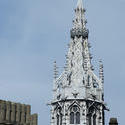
78,86
80,4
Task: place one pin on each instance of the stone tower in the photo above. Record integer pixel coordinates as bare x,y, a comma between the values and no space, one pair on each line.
78,94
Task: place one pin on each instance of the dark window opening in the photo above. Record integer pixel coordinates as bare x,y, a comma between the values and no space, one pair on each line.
83,80
94,119
57,119
75,115
88,80
77,118
95,84
90,122
71,118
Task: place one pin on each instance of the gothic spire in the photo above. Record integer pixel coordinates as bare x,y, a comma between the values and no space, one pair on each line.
78,94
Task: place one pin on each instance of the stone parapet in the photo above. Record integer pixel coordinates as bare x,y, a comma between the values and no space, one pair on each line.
16,114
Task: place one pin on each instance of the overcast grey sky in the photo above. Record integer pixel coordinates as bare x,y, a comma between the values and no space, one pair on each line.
33,33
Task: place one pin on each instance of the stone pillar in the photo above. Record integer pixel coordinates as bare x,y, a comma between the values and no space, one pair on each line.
67,114
98,117
84,113
23,114
35,119
8,109
2,111
52,117
113,121
18,112
28,112
63,114
101,115
31,120
13,112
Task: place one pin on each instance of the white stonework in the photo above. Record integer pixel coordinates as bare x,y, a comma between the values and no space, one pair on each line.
78,92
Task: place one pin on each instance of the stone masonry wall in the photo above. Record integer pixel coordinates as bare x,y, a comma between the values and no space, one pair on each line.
16,114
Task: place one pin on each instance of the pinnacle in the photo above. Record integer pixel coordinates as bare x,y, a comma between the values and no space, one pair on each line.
80,4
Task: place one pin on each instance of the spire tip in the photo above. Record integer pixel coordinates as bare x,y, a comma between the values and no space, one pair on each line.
80,4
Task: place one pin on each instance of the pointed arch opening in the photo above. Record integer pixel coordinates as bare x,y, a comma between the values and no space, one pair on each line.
72,118
75,115
77,118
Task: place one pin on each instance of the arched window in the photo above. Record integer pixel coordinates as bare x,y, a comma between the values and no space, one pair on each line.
88,80
83,80
94,119
75,115
72,118
77,118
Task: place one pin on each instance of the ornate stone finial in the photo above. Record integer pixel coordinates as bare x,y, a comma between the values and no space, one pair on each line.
66,64
85,64
101,72
55,70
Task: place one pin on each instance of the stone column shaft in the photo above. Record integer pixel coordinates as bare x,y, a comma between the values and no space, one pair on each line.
18,113
28,112
3,111
23,114
13,112
8,110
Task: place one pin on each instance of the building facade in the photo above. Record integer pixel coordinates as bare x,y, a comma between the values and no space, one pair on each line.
78,94
16,114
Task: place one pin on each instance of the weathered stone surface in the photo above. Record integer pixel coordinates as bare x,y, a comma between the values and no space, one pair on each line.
34,119
2,111
23,114
16,114
28,112
8,110
13,112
